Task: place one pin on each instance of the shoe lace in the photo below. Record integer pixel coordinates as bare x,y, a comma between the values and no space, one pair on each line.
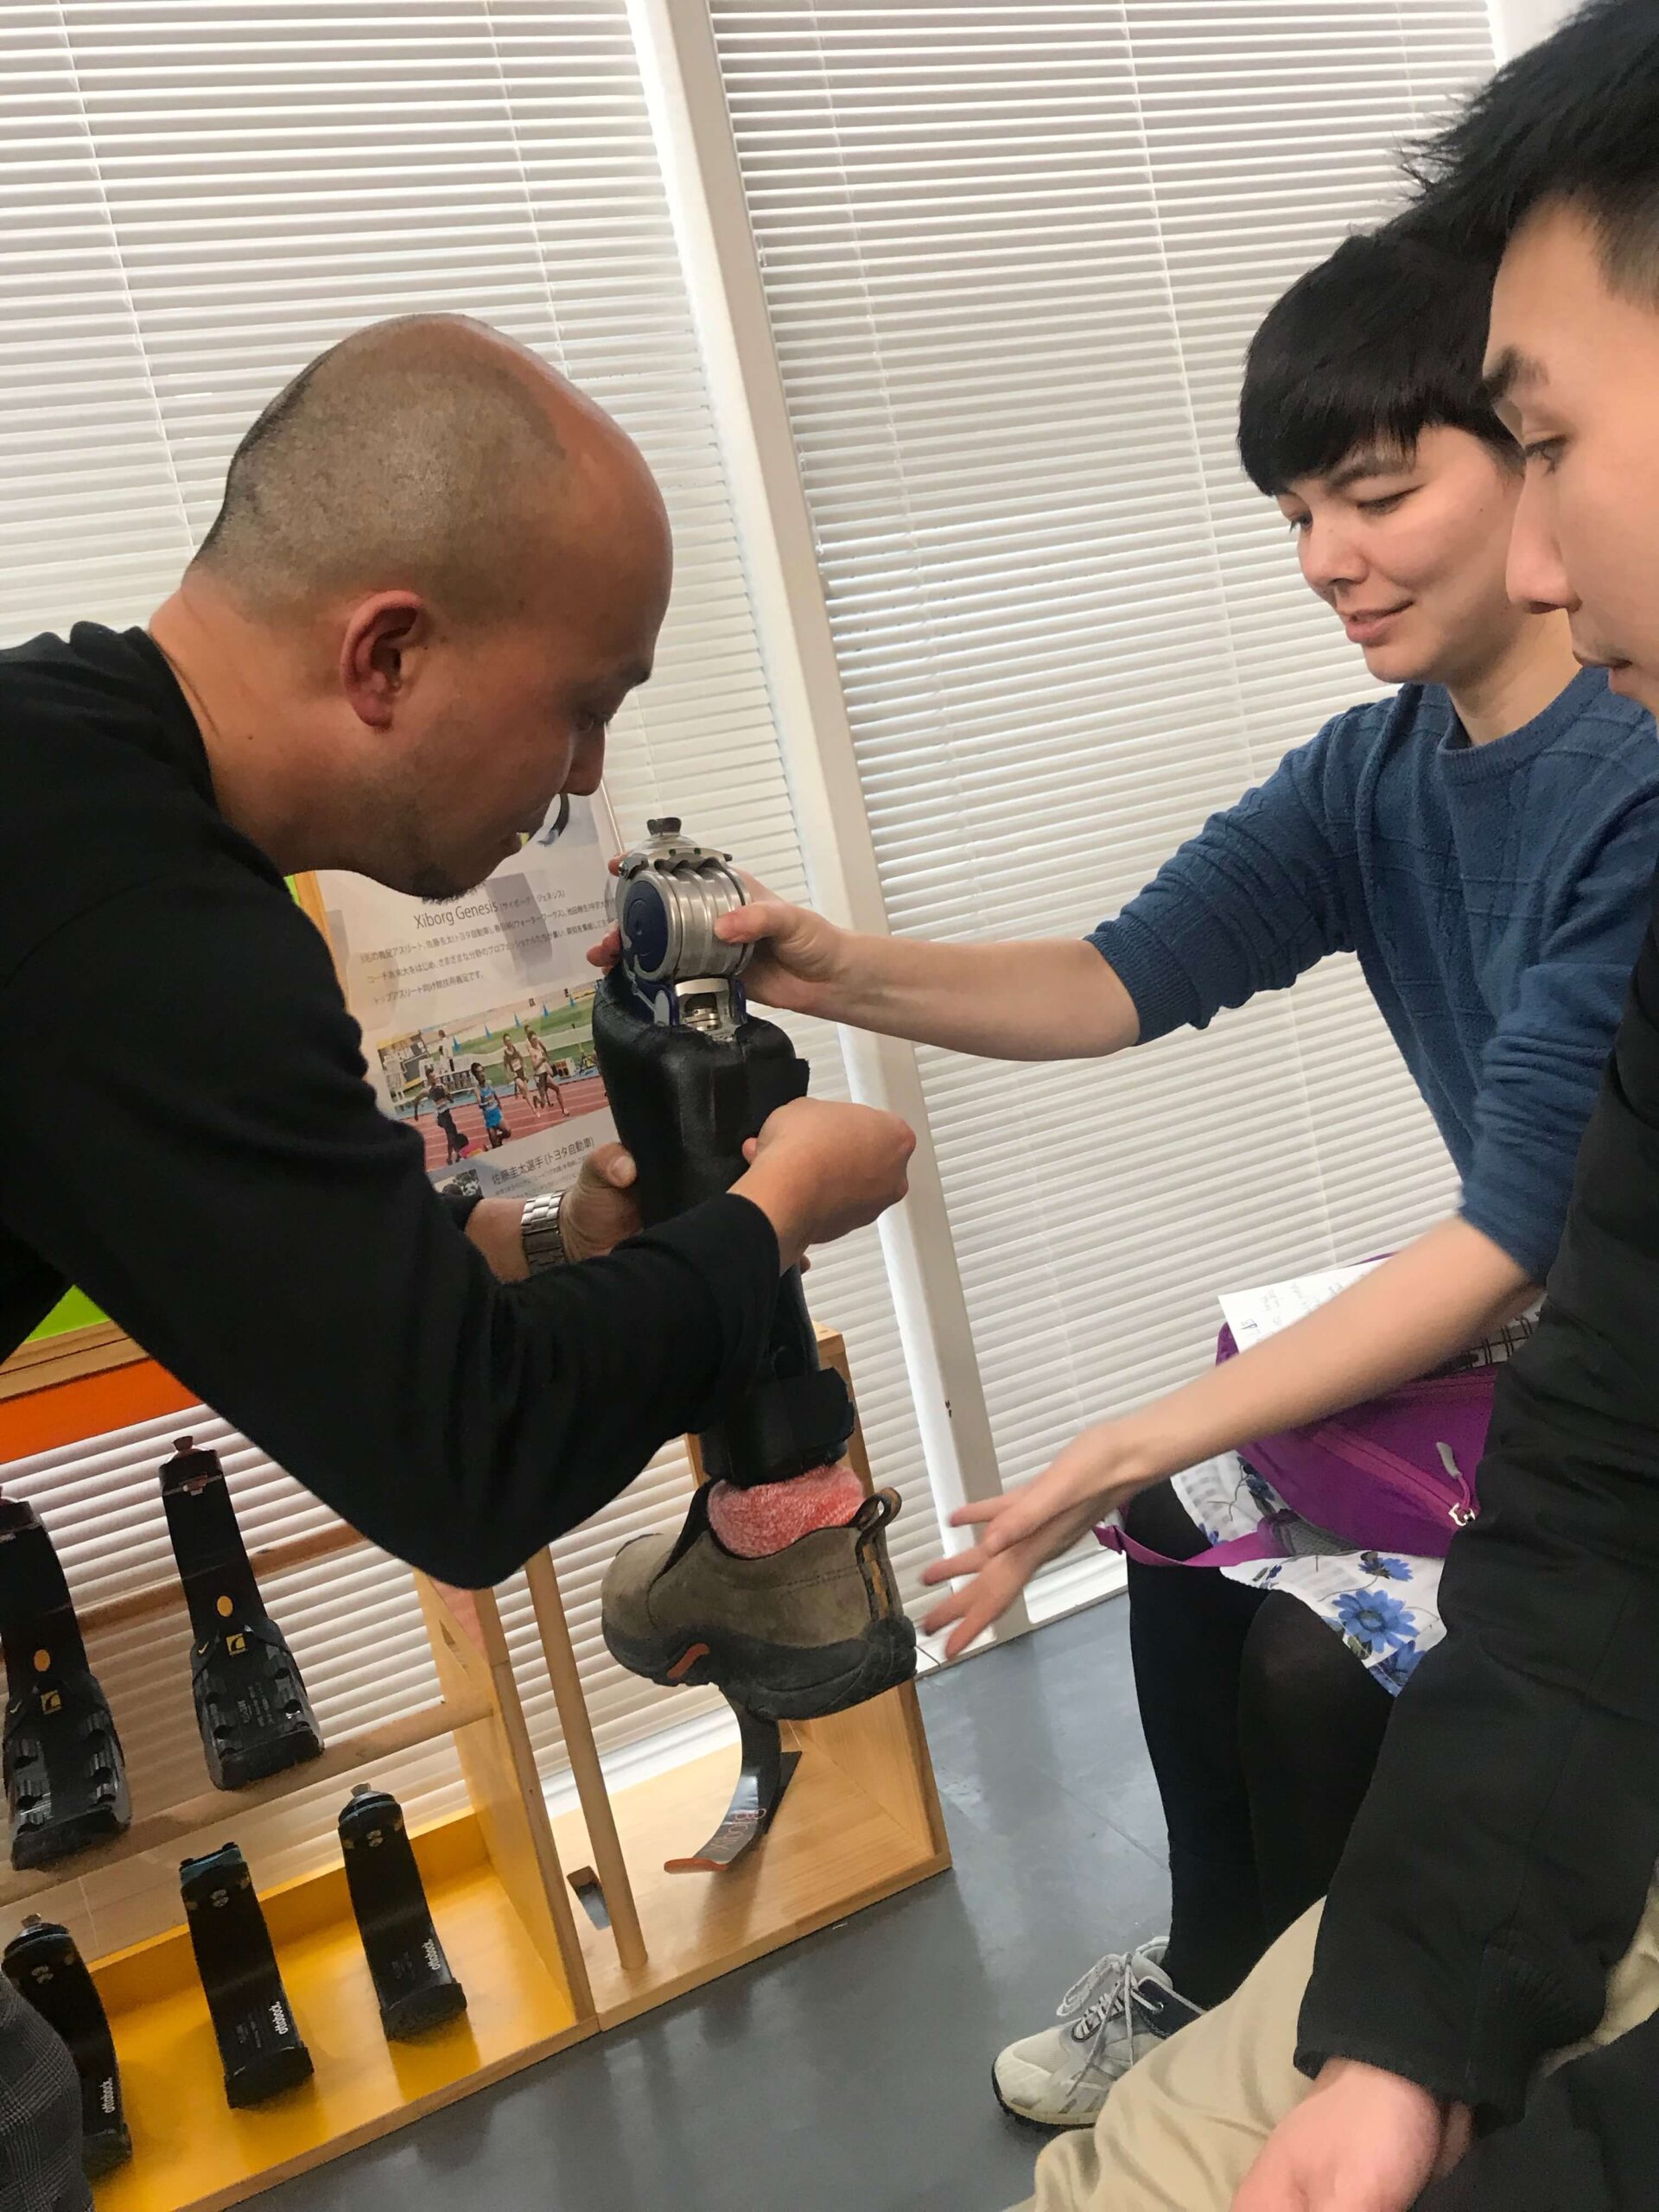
1102,1981
1103,2000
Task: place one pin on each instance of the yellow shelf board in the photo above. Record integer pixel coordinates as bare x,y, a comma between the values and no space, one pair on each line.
192,2153
832,1849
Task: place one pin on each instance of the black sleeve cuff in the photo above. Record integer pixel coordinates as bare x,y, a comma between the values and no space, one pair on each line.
459,1205
1392,2007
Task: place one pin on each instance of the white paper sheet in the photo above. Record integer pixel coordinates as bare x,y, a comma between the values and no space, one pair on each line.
1253,1314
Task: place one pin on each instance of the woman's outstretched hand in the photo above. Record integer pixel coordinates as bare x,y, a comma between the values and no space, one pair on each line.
1028,1526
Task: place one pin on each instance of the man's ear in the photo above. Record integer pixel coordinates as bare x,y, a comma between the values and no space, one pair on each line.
380,651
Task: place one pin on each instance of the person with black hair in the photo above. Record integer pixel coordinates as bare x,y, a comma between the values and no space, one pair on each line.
1483,839
1478,2028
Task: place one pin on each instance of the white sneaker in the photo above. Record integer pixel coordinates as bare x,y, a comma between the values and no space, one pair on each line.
1123,2005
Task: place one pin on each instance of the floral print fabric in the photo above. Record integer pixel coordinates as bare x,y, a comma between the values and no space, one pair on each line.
1384,1605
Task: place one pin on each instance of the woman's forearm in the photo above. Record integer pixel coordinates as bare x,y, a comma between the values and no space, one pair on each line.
1038,999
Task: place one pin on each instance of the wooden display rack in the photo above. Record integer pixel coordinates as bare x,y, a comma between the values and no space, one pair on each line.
861,1821
493,1882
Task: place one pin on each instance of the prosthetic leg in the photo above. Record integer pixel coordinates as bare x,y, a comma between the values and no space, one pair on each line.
66,1783
252,1706
412,1977
259,2046
815,1626
43,1966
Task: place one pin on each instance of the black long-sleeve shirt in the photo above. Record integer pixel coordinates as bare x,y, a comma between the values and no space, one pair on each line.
186,1134
1503,1855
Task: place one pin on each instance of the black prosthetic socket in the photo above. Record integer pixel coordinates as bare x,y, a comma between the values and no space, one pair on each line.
260,2047
798,1415
36,1610
65,1780
685,1103
412,1977
252,1706
43,1966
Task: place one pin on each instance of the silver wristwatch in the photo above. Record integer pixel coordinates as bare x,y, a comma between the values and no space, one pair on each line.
539,1227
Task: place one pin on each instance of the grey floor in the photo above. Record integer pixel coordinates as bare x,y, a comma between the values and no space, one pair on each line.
851,2071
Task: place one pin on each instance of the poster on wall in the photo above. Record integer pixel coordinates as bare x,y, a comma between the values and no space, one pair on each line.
477,1012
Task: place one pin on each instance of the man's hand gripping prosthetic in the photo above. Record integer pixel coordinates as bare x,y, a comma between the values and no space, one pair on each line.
787,1629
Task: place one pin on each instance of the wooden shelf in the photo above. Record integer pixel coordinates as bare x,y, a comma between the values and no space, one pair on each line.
171,1825
42,1364
861,1821
192,2153
835,1847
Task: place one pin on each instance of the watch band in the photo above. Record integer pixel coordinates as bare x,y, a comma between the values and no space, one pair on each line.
541,1229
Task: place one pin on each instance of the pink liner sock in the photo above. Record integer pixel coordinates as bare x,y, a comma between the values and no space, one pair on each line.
756,1522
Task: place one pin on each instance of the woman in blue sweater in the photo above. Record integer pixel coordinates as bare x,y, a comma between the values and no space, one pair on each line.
1486,841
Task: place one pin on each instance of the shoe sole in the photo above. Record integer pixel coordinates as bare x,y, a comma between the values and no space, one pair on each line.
1030,2120
423,2011
102,2154
235,1769
36,1848
779,1682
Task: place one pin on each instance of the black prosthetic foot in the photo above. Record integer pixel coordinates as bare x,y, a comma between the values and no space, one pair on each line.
412,1977
43,1966
65,1781
252,1706
762,1778
259,2046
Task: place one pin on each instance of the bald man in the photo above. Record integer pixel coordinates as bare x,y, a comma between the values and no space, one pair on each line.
437,573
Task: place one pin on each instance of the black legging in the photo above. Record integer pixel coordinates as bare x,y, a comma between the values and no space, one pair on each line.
1263,1729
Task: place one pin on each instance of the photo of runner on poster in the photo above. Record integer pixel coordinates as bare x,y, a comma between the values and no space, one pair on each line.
477,1013
507,1072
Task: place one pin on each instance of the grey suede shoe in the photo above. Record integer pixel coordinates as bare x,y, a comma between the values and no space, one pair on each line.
805,1631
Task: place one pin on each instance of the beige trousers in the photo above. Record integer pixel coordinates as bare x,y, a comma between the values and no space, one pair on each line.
1182,2129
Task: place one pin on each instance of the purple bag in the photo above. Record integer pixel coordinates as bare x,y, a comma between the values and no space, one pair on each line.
1394,1474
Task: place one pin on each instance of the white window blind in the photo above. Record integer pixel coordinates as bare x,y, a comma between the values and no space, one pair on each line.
198,197
1012,257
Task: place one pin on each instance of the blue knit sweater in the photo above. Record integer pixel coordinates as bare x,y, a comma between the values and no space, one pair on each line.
1494,894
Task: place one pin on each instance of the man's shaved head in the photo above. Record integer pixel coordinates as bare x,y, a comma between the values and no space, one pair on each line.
425,453
438,572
